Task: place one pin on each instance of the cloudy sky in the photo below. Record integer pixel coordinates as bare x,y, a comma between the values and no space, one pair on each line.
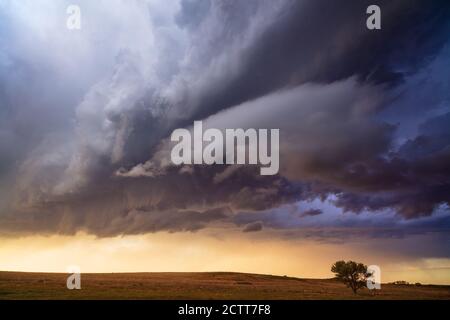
86,116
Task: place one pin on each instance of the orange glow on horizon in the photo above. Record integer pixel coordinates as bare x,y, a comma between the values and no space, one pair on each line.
202,252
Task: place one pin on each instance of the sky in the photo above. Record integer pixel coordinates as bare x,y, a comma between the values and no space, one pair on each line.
86,117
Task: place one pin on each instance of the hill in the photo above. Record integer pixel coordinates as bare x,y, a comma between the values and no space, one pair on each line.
212,285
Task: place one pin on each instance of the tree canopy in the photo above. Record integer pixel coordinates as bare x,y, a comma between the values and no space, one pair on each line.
351,273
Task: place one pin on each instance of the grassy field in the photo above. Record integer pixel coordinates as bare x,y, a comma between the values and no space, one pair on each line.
16,285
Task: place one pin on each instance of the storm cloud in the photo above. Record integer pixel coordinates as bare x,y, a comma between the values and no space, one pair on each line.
86,116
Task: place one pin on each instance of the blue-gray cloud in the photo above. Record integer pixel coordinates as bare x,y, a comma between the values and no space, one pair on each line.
363,114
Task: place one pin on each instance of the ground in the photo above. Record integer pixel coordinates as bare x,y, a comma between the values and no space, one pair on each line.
212,285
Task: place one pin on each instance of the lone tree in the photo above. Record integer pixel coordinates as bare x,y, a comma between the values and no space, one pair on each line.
353,274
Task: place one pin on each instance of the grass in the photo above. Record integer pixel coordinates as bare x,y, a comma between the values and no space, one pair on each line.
193,286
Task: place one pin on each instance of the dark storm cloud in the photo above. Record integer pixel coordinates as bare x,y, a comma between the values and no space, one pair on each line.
326,41
178,200
311,213
92,154
331,225
415,180
253,227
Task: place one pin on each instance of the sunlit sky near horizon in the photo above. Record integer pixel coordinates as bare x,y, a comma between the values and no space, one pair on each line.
203,252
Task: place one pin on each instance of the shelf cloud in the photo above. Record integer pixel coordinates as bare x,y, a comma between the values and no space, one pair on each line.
86,115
